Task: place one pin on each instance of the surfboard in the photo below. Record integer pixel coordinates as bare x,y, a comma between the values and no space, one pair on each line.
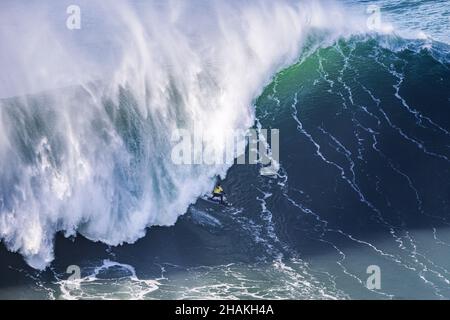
216,201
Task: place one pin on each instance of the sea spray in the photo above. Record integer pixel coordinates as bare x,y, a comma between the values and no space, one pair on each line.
88,151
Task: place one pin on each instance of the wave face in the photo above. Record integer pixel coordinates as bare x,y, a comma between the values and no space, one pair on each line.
368,180
87,114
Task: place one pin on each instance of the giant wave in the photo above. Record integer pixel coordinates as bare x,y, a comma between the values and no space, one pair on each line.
86,115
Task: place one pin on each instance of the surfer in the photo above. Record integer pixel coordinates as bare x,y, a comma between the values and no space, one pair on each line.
218,192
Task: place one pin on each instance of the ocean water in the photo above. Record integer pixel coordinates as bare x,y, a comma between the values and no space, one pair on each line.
87,182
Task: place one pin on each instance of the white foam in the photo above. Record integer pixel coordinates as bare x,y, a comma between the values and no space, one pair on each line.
94,286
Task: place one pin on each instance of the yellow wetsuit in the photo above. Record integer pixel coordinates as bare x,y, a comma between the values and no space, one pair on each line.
218,190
